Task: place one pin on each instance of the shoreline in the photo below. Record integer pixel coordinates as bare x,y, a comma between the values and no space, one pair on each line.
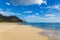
14,31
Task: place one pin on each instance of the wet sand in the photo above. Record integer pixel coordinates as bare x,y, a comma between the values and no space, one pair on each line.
14,31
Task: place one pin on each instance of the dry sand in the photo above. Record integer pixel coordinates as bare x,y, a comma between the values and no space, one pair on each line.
13,31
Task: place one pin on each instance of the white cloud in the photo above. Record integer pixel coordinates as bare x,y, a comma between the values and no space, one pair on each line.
18,14
28,2
8,3
41,11
49,15
54,7
3,13
1,9
7,13
37,14
39,17
27,12
31,16
34,18
44,2
8,9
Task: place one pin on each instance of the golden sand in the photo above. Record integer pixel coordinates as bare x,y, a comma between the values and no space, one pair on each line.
13,31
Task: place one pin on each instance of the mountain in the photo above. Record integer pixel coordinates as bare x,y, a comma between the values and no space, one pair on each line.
10,19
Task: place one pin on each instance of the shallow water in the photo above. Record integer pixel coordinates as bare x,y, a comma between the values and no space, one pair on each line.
51,26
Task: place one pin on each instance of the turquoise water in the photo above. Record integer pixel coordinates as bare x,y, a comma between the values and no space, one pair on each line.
51,26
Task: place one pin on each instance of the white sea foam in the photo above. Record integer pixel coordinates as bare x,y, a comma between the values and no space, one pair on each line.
53,35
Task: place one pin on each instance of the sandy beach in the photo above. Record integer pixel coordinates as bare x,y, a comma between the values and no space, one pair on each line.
14,31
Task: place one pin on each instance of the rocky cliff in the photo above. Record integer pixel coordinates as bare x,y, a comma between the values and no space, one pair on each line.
10,19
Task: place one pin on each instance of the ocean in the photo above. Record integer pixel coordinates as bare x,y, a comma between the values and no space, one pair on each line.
50,26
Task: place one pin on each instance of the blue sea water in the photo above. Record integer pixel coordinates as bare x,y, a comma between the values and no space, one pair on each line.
50,26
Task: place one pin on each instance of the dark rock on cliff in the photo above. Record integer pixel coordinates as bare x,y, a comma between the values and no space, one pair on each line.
10,19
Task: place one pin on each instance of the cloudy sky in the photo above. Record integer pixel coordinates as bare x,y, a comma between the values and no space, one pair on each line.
32,10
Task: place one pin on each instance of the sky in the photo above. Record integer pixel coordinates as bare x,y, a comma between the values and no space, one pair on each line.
32,10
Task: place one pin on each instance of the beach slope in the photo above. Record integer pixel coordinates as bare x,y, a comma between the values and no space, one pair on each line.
14,31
